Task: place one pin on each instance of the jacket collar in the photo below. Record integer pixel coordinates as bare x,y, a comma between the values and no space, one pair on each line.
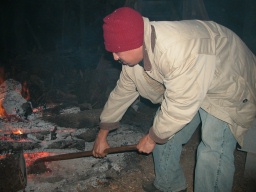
148,44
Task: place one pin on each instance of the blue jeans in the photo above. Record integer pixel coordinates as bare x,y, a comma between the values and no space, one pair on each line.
215,160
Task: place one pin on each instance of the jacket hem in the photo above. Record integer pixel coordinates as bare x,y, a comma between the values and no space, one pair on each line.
153,136
109,126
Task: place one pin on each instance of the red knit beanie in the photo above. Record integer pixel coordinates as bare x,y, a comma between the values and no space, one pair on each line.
123,30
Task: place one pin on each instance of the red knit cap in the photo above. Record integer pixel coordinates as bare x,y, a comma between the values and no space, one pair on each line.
123,30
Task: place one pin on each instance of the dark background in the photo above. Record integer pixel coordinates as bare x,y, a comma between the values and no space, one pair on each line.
69,26
55,45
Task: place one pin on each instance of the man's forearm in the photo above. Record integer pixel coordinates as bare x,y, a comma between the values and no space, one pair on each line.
103,133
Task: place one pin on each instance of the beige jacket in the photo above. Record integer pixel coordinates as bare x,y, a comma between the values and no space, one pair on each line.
188,65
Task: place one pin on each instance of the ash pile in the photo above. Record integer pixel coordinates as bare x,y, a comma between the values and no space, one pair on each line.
57,129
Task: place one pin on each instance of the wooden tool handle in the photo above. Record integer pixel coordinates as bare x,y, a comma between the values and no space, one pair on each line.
85,154
121,149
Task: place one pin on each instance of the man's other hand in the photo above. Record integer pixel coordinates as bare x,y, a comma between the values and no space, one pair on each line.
100,144
146,144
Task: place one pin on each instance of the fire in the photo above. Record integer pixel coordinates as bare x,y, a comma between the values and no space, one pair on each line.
31,157
18,132
2,156
25,93
2,111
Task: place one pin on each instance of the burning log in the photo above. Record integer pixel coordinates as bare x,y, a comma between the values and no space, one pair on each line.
11,101
16,136
13,171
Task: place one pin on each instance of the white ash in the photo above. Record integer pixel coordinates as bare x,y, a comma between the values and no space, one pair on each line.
70,110
74,174
79,174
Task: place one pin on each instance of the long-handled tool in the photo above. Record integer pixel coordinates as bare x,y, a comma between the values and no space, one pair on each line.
85,154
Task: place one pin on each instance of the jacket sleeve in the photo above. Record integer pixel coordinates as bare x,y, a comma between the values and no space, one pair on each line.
122,96
186,85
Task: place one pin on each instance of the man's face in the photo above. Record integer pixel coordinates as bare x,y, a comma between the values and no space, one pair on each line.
130,58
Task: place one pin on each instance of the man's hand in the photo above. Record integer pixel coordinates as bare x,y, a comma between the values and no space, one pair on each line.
100,144
146,144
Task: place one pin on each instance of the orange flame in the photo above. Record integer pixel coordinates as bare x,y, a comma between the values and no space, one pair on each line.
18,132
31,157
2,111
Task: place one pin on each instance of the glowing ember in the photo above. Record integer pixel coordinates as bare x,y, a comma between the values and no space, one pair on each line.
18,132
15,135
31,157
2,156
2,111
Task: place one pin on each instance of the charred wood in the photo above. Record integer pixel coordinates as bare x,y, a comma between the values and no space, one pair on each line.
13,175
